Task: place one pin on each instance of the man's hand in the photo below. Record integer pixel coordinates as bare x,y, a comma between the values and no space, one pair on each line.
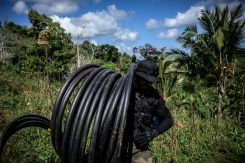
143,138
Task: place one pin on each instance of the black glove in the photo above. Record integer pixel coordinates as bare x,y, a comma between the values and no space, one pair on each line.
143,138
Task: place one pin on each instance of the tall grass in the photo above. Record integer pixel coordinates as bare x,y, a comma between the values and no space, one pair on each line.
21,95
192,139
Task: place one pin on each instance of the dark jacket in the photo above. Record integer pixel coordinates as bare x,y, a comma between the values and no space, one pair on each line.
148,101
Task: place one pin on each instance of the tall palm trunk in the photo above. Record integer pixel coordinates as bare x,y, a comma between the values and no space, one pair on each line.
220,103
221,87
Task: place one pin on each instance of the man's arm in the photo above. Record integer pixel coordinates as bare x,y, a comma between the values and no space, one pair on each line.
164,117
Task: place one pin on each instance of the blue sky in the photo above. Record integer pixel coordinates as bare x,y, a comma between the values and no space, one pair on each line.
123,23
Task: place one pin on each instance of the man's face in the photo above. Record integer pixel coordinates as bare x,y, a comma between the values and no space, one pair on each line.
142,83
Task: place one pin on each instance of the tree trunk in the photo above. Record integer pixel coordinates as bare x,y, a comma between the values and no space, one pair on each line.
220,103
48,81
78,57
221,91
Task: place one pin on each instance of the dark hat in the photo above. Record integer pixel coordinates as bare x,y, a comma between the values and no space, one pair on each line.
148,70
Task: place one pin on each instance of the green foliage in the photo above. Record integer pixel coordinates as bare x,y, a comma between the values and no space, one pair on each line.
31,57
124,63
212,52
194,97
21,95
193,138
234,101
110,65
109,53
10,88
147,51
30,145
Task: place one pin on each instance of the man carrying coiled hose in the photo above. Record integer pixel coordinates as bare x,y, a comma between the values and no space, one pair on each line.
147,111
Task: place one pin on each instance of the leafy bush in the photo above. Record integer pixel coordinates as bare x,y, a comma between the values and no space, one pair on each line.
21,95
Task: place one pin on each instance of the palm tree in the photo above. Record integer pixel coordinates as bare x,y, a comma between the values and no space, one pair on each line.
214,51
170,74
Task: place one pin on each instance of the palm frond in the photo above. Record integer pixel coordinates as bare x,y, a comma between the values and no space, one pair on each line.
206,22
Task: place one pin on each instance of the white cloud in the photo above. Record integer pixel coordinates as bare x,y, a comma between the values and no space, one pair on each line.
62,7
94,42
91,24
125,35
20,7
117,14
96,24
152,24
67,24
124,48
183,19
56,8
171,33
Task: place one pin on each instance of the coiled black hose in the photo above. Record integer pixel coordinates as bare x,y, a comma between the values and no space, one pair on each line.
20,123
92,128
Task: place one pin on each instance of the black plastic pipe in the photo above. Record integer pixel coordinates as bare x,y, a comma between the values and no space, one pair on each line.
92,128
20,123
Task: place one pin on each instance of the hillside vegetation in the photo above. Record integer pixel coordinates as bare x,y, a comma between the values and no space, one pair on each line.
192,138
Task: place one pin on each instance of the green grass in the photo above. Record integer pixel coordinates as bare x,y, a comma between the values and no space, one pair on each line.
192,139
21,95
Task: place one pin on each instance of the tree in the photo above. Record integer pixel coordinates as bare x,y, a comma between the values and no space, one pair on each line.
214,51
109,53
60,48
3,41
12,38
124,63
90,49
147,51
169,73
